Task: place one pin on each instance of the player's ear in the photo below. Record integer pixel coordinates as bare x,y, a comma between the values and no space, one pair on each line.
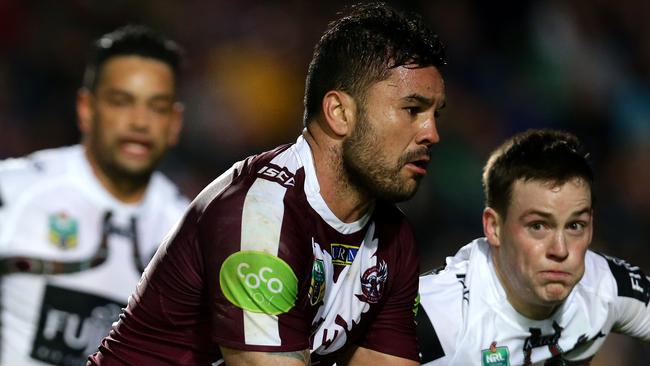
84,110
339,111
491,226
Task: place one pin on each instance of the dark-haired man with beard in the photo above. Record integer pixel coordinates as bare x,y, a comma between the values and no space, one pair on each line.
78,224
298,255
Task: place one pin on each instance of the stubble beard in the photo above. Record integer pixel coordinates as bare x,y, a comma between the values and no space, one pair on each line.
122,175
367,169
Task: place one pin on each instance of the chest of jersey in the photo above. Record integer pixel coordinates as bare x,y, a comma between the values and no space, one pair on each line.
69,262
347,280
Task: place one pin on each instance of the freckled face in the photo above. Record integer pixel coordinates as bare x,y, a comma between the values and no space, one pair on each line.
388,152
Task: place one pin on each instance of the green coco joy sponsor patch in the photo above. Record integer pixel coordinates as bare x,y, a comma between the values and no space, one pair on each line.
258,282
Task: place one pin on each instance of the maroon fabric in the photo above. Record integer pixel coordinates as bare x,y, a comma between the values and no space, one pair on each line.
179,315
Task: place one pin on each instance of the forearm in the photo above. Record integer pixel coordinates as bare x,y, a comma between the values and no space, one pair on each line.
360,356
248,358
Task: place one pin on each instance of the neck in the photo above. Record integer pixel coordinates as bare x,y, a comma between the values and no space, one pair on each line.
124,189
348,202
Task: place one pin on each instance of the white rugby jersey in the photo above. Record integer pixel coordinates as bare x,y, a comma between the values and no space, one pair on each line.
468,321
70,254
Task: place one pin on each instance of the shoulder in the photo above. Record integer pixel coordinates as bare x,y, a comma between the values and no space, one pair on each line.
616,277
255,185
443,292
277,166
455,266
164,190
20,173
49,161
444,287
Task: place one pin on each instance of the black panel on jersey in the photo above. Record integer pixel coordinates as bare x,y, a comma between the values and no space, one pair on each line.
428,341
630,280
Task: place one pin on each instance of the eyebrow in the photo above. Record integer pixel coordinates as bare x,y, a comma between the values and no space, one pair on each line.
424,100
113,91
586,210
155,97
546,215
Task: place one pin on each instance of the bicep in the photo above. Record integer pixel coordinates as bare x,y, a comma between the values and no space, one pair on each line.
234,357
632,314
361,356
633,318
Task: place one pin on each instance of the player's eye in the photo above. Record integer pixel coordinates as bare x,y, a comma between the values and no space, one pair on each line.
537,226
413,111
119,101
161,107
577,226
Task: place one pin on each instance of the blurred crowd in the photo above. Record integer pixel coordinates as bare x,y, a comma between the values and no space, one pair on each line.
580,65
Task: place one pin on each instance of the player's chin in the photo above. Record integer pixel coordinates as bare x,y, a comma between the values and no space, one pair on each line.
411,178
556,292
410,183
398,192
137,168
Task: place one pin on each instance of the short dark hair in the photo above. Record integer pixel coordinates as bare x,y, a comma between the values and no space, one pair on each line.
542,155
131,40
362,47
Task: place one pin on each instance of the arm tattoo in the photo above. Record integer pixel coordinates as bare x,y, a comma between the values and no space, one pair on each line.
298,355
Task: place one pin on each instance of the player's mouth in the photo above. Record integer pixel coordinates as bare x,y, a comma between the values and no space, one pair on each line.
556,276
136,148
419,165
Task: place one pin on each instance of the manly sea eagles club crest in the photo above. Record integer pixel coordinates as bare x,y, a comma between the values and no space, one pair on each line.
373,282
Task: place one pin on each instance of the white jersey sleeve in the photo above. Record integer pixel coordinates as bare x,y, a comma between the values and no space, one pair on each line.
443,297
19,174
630,309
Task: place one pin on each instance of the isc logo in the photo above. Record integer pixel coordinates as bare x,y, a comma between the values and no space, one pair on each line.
277,174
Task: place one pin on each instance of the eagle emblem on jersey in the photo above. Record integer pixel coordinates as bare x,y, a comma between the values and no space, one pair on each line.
373,281
63,230
317,284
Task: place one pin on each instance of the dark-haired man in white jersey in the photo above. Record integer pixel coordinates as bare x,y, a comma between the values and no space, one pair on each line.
78,224
530,292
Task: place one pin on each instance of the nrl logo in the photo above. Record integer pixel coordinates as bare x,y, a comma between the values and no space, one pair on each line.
317,285
495,356
63,230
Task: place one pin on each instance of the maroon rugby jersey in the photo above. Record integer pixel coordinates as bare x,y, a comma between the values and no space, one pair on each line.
260,263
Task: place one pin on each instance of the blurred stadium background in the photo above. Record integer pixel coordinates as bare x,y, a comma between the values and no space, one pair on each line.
581,65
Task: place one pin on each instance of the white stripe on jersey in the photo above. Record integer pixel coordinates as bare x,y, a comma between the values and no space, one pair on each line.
260,230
